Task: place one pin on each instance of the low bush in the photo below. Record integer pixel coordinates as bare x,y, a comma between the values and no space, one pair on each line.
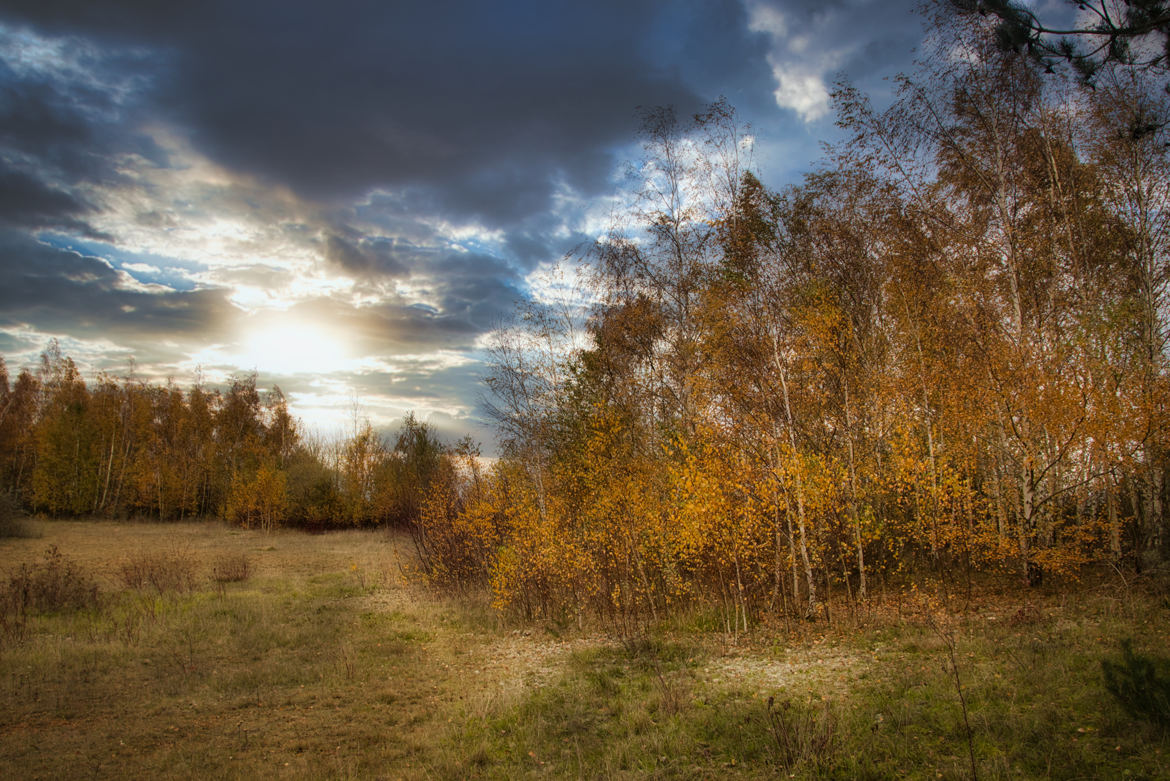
231,568
163,572
802,734
56,583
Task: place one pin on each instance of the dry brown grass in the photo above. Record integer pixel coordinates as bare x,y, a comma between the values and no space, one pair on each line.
163,571
325,663
231,568
283,655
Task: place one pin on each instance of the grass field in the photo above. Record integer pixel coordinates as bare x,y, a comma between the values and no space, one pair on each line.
213,652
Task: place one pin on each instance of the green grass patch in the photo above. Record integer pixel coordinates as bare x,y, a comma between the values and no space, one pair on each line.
624,710
1035,694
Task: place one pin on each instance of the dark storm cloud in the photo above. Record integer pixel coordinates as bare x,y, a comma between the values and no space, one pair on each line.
542,238
73,121
467,109
26,201
477,104
60,291
35,118
528,246
710,46
480,290
880,35
368,257
477,109
63,128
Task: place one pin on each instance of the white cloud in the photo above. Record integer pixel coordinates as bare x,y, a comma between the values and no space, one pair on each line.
801,62
803,92
142,268
766,19
805,56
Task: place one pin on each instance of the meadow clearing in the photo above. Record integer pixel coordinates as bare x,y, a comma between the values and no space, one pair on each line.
199,650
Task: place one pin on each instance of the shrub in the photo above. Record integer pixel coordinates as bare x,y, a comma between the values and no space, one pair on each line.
231,568
172,571
802,733
13,522
56,583
1140,683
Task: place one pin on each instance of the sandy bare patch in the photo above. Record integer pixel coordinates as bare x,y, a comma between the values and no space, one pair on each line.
521,661
817,670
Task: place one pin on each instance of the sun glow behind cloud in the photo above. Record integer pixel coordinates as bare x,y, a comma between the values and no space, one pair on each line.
278,344
286,346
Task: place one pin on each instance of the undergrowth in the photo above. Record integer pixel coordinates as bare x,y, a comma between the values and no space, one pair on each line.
231,568
55,583
163,571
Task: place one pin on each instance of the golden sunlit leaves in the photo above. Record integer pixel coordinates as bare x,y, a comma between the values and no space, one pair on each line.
889,371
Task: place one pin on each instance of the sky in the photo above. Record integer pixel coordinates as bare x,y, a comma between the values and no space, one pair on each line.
348,198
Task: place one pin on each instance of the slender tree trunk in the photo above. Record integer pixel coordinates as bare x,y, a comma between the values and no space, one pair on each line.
853,499
1154,506
1114,522
798,474
1138,508
778,570
1028,517
109,472
740,592
792,556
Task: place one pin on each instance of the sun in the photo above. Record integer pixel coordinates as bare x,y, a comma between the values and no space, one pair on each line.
286,346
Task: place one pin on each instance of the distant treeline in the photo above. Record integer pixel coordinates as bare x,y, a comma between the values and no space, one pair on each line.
118,447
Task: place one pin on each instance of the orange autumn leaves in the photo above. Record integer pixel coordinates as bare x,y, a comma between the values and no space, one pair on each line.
945,353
